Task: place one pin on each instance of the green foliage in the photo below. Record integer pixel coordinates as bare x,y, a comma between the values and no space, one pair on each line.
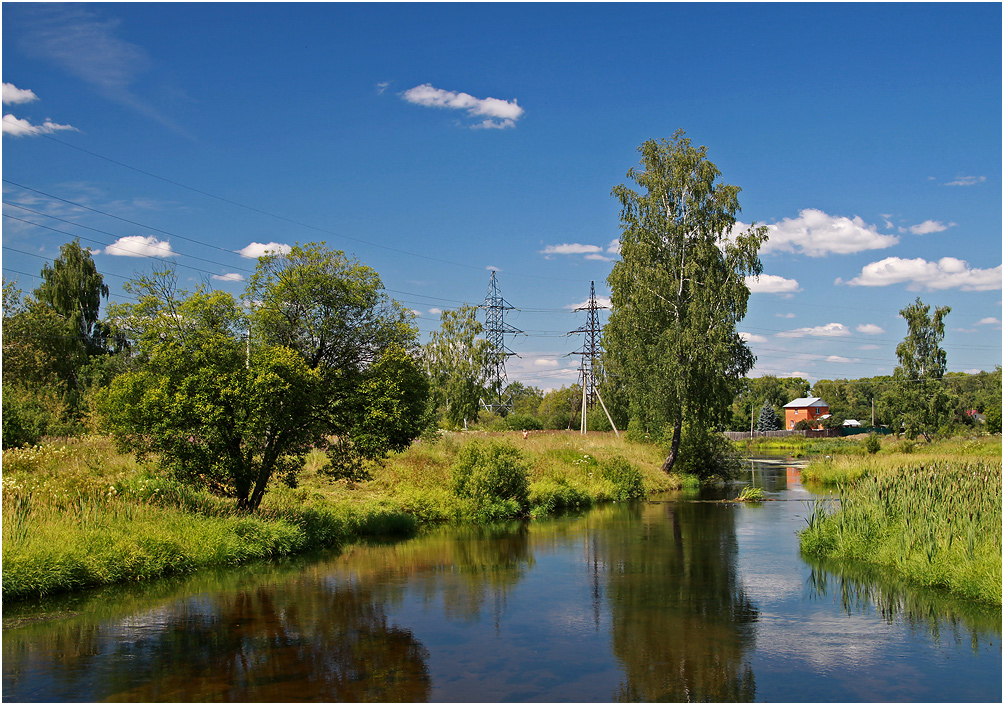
626,479
525,399
768,420
457,360
493,477
937,524
73,289
679,290
31,412
326,363
872,444
921,403
768,389
522,422
559,407
706,454
751,494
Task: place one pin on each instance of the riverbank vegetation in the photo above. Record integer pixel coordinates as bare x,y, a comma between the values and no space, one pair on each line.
81,514
936,523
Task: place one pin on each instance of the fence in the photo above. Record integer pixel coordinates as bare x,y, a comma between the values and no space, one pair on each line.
814,433
818,433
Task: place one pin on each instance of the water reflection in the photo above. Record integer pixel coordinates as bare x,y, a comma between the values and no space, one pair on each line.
862,589
683,627
309,640
650,602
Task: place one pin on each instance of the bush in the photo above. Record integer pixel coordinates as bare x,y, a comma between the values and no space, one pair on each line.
523,422
30,414
626,479
704,453
492,477
872,443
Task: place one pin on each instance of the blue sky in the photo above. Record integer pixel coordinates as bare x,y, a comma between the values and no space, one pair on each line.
434,142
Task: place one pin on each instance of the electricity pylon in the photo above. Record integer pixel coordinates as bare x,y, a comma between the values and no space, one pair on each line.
591,358
495,331
591,347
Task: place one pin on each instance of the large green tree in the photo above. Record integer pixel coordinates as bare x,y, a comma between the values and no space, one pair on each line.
73,288
458,359
679,290
921,402
232,396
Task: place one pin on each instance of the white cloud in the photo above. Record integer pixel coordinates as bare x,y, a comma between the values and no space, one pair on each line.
772,284
752,337
989,321
830,330
929,226
784,315
601,302
946,273
13,94
229,277
17,127
796,373
967,181
870,329
435,311
257,249
601,258
497,113
416,312
545,362
139,246
817,234
493,268
614,247
382,86
869,346
571,248
842,360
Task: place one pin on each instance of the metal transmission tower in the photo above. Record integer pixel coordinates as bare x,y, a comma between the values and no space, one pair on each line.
591,347
590,359
495,331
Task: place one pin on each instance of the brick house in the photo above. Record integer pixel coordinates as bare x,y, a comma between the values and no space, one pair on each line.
807,408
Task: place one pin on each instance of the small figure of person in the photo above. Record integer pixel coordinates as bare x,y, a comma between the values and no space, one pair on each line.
526,434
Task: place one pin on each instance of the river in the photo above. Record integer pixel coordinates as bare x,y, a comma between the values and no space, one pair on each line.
677,599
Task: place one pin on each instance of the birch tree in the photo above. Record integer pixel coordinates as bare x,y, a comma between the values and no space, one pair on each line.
679,290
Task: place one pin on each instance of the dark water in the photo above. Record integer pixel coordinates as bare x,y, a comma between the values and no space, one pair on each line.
673,600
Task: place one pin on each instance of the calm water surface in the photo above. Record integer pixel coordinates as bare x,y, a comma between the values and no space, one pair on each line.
684,598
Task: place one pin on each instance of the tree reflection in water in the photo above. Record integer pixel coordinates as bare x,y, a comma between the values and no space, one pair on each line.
683,627
305,641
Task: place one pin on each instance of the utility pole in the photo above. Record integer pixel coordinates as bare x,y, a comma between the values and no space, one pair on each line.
495,331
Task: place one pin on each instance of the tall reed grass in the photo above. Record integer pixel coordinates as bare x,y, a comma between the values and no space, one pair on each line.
938,524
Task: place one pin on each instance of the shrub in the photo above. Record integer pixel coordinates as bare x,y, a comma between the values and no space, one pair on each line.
521,422
626,479
705,454
872,443
492,477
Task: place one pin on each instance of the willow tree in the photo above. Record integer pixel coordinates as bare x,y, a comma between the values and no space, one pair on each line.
679,290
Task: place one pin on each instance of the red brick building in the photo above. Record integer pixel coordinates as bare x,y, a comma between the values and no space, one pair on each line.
804,409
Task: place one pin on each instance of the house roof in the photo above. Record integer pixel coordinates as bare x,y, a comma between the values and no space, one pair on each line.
804,402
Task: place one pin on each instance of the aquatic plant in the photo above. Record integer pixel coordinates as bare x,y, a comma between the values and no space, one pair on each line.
936,523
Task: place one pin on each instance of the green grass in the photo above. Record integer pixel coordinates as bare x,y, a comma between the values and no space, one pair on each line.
79,515
838,467
937,523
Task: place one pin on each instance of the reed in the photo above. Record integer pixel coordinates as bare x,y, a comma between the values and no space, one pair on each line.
936,523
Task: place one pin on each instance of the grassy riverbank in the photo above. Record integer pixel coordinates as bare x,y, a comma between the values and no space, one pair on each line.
80,515
935,522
